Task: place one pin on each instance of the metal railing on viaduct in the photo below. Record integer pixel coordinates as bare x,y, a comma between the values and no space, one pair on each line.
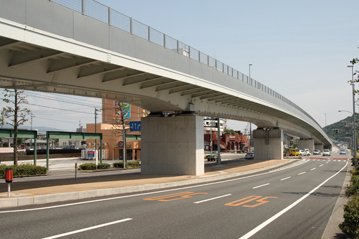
191,74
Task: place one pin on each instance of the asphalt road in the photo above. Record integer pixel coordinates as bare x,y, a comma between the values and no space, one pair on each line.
294,202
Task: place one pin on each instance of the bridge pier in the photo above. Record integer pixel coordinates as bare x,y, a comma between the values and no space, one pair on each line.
172,145
268,143
319,146
306,144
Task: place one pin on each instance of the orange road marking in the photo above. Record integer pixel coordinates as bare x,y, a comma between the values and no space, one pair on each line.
175,196
248,201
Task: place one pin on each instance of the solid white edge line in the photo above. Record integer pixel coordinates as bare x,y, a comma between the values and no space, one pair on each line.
87,229
210,199
301,173
268,221
143,194
285,178
262,185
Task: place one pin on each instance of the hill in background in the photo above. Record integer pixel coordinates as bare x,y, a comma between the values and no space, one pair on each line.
341,131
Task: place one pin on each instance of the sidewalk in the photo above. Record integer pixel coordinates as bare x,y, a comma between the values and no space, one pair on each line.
61,185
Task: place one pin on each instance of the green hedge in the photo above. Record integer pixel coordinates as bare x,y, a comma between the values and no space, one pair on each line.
130,164
24,170
92,166
350,226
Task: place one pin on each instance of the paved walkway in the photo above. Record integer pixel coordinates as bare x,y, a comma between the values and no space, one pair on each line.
60,185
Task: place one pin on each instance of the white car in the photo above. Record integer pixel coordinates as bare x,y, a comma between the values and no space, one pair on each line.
326,152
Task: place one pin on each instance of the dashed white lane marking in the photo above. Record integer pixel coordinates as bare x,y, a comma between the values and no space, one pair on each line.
285,178
301,173
270,220
262,185
88,228
313,169
148,193
321,165
210,199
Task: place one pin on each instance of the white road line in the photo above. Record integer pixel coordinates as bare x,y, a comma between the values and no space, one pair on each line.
313,169
210,199
270,220
285,178
88,228
321,165
142,194
301,173
259,186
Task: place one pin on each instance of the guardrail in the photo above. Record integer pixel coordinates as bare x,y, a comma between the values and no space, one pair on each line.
105,14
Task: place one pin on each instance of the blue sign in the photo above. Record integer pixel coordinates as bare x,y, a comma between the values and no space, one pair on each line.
135,125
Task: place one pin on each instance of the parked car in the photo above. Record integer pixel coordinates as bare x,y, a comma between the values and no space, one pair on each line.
294,152
343,152
249,155
307,152
317,152
211,157
326,152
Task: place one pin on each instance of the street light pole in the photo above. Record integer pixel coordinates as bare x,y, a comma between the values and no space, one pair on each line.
353,137
354,116
250,123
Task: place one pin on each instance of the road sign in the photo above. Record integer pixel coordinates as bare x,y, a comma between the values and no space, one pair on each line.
135,126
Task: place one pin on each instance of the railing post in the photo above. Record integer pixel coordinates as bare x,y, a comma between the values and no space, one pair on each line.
109,16
148,33
131,30
164,40
83,7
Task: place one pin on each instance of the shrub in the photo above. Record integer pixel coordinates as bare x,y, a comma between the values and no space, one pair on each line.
103,166
353,188
130,164
92,166
350,226
87,166
24,170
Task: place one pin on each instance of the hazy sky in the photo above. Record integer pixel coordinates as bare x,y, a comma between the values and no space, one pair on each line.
299,48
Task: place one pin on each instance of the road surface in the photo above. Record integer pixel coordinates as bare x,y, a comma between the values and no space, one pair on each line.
292,202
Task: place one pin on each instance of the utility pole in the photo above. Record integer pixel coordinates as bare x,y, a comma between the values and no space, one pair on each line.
354,116
250,123
218,141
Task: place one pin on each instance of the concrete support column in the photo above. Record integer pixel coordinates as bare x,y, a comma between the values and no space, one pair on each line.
319,146
306,144
172,145
268,143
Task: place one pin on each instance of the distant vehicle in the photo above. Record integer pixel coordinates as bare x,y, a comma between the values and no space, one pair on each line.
211,157
249,155
302,152
326,152
343,152
294,152
316,152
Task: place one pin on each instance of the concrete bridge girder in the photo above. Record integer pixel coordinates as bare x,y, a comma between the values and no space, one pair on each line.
82,56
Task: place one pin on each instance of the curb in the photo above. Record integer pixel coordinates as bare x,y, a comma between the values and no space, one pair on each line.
18,201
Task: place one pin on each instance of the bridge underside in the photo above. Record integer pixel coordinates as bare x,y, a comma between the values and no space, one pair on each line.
90,58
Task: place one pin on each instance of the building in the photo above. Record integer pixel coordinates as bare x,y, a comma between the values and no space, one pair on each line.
112,129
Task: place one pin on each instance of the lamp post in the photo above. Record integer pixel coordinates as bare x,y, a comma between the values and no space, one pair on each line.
354,116
353,137
250,123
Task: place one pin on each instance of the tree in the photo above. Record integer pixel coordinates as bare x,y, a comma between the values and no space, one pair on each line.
14,113
120,123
